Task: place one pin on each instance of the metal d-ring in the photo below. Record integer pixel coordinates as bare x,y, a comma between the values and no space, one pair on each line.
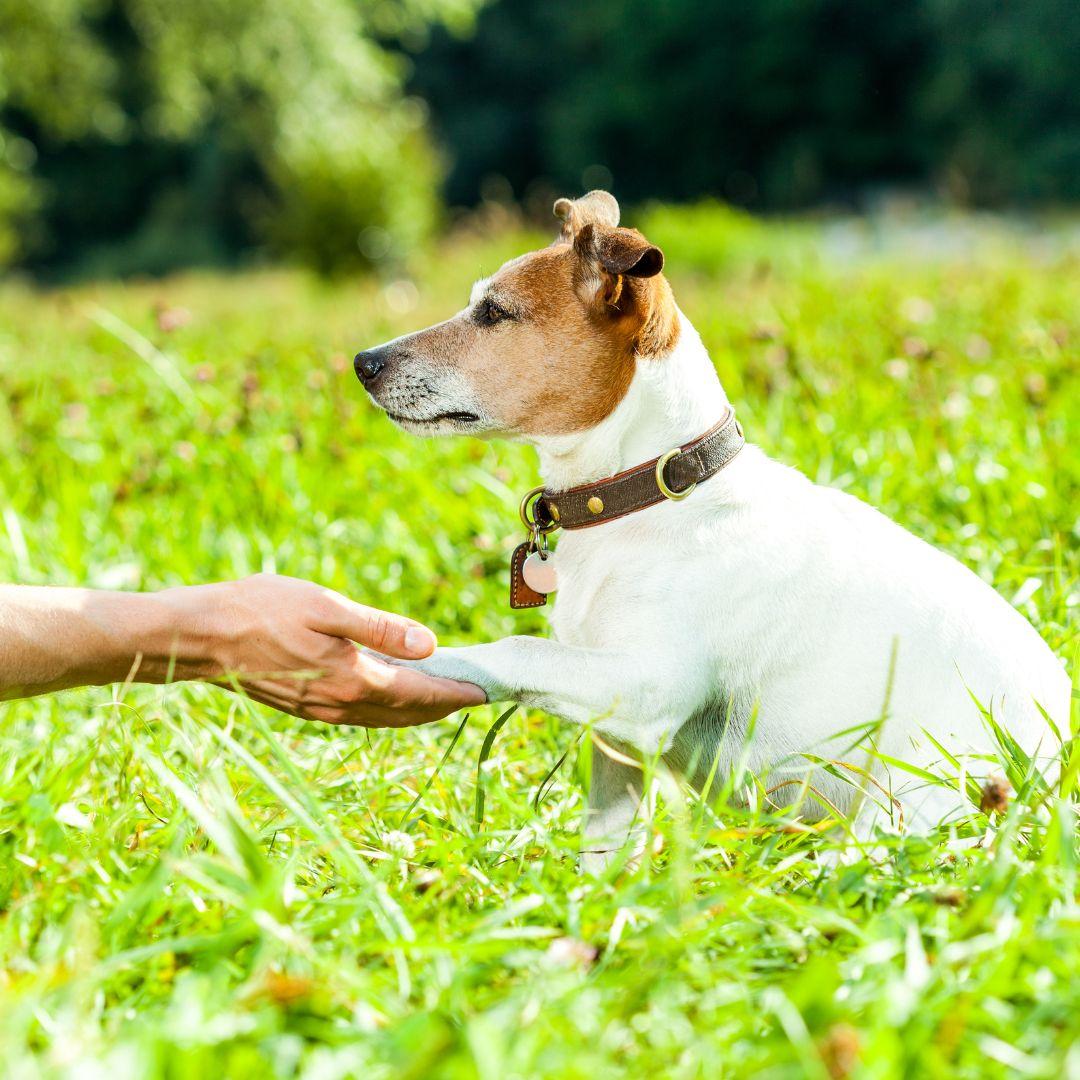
662,484
530,522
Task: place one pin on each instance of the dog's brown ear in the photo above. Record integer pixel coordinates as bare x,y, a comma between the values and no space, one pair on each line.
626,251
596,208
609,256
617,274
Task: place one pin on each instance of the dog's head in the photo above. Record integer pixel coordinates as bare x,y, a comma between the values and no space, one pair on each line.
548,344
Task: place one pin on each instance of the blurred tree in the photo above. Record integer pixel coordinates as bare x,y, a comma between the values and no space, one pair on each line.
144,134
51,68
138,135
779,103
1002,103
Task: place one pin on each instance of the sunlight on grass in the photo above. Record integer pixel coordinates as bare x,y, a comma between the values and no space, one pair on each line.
193,886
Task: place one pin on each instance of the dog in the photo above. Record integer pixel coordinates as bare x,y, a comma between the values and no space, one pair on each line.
757,616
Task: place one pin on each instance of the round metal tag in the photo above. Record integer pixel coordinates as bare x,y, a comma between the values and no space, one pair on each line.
539,573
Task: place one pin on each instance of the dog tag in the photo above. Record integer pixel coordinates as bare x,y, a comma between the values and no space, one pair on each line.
521,594
540,573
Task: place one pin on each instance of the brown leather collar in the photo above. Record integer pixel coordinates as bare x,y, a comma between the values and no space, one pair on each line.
673,476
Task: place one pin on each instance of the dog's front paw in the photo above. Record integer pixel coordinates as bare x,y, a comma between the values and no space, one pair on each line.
464,665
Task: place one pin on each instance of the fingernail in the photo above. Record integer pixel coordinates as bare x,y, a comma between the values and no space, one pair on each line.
419,640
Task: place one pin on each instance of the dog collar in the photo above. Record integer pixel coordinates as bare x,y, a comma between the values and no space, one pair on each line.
669,477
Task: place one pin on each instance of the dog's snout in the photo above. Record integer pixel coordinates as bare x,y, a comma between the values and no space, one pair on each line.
369,363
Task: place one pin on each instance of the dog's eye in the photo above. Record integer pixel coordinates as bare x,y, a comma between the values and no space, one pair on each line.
489,313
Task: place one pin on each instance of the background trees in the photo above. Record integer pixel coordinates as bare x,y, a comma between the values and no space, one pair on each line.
778,103
138,135
143,134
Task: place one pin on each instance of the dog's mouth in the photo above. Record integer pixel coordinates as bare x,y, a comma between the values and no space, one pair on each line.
454,417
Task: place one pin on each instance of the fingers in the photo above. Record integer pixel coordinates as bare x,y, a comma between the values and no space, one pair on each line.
357,689
380,630
405,688
375,716
354,715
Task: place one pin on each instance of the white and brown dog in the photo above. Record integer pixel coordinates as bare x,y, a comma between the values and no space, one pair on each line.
764,615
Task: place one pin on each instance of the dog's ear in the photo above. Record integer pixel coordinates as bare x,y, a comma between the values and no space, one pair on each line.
612,254
596,208
623,251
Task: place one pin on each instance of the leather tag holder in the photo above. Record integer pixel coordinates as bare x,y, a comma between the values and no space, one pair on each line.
521,596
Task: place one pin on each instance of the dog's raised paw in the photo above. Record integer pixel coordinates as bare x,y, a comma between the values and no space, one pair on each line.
458,664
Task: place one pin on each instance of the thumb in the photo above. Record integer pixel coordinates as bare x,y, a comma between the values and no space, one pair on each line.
379,630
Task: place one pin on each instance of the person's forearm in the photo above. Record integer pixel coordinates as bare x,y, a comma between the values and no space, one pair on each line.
55,638
285,642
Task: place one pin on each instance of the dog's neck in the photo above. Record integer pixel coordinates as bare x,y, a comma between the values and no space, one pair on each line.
672,400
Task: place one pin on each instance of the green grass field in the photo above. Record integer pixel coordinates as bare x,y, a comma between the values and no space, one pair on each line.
193,886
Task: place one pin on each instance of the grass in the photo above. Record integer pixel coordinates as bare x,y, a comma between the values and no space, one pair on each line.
191,885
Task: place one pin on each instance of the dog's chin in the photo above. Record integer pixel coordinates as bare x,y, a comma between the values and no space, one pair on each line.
451,422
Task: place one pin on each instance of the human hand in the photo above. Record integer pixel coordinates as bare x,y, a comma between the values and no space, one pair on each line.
289,644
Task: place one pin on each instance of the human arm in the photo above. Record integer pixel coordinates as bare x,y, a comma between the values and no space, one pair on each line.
287,643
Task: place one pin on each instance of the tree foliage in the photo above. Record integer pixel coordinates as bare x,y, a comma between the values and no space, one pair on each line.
187,130
138,135
777,103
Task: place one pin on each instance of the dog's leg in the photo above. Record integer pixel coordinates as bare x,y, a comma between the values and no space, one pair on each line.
615,798
640,694
637,701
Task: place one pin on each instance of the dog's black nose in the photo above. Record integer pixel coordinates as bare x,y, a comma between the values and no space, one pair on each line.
369,363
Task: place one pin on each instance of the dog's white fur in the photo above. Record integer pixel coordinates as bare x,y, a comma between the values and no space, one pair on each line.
765,614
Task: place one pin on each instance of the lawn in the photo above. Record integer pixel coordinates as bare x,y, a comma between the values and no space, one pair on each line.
192,886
